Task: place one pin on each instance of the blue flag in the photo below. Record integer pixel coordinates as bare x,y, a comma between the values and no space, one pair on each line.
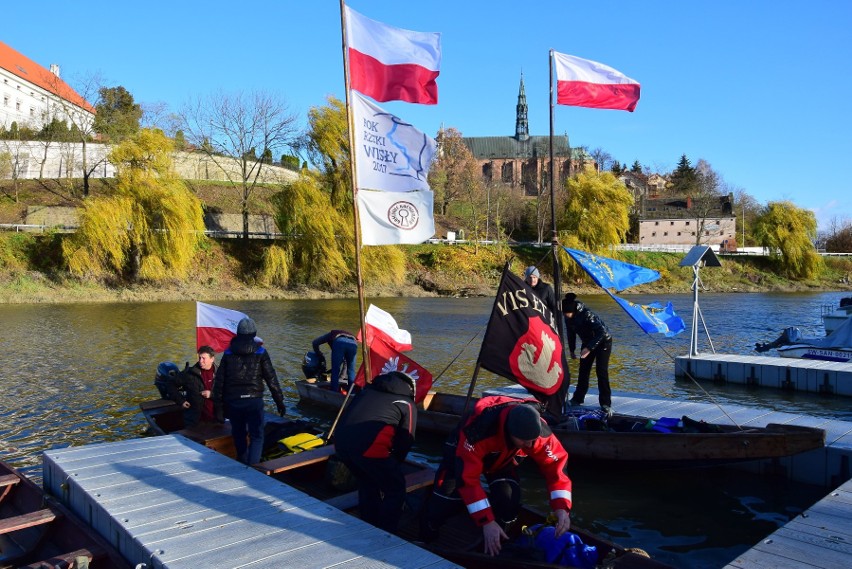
609,273
653,318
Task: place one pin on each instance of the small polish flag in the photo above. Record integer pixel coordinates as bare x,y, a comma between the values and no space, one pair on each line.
215,326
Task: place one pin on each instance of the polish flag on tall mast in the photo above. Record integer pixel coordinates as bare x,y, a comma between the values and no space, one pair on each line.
586,83
392,64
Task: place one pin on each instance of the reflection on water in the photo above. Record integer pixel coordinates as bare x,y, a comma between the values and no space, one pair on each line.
75,374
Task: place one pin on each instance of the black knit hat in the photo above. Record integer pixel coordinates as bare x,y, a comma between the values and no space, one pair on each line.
569,303
246,327
524,422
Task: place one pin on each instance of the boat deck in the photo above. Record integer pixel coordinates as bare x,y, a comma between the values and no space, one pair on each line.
171,503
792,374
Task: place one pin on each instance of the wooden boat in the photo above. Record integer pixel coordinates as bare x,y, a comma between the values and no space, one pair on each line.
38,531
164,416
460,540
309,471
625,441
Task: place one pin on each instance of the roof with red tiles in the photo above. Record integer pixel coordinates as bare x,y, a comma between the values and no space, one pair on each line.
28,70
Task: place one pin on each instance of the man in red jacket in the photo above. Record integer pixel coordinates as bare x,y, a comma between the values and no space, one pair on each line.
498,435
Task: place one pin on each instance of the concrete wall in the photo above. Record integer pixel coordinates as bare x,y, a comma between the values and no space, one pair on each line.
33,160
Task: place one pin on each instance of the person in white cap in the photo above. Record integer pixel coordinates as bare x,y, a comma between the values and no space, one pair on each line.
541,289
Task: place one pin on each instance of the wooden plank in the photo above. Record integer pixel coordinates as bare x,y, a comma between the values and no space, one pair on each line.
296,460
9,480
413,481
69,559
27,520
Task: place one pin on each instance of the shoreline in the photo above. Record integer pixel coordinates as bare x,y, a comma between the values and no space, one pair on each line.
47,294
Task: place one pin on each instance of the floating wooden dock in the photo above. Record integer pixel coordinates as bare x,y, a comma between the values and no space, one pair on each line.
820,537
792,374
167,502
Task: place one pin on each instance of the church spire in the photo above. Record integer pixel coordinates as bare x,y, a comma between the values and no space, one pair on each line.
522,128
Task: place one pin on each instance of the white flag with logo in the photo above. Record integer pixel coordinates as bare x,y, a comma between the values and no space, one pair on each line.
393,218
390,154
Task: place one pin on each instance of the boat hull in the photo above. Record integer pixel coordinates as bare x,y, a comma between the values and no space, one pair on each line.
36,530
441,413
811,353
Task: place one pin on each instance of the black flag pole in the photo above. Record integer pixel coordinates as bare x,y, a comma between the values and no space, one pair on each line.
554,244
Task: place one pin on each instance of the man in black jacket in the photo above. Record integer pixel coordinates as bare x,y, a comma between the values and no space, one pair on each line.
595,347
192,388
374,437
244,368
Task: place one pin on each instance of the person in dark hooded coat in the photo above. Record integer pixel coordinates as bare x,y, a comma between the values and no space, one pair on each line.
243,370
373,439
595,348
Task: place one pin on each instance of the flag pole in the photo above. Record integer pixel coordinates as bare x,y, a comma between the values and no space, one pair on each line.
554,245
356,219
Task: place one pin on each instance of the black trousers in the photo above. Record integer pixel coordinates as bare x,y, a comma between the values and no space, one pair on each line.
600,357
381,489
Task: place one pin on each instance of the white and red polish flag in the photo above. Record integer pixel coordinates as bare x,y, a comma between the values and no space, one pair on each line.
215,326
385,359
382,326
587,83
392,64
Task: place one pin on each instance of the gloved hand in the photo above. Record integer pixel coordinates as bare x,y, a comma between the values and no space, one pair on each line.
281,410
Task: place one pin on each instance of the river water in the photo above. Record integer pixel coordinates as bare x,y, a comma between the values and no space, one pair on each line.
75,373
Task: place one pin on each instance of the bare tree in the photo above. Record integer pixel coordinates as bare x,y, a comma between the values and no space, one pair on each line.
603,159
705,197
239,129
80,114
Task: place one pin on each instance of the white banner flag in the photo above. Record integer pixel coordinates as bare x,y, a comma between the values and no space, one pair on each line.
390,154
392,218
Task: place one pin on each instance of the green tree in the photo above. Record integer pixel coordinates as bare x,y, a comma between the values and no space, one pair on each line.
149,228
230,128
118,116
636,168
683,178
596,211
788,231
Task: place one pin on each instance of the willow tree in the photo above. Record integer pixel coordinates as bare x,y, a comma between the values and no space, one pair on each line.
149,227
788,232
315,215
596,210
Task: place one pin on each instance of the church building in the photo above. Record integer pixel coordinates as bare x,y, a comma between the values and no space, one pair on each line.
522,161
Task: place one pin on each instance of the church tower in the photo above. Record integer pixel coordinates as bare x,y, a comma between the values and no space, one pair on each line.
522,127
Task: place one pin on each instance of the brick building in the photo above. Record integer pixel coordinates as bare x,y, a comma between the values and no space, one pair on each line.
521,161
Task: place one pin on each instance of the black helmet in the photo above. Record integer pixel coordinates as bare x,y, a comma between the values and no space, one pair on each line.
313,365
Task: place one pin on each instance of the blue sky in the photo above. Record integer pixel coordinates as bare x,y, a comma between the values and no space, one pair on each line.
760,89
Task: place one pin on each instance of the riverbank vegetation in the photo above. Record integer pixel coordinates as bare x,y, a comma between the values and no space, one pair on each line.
32,270
140,235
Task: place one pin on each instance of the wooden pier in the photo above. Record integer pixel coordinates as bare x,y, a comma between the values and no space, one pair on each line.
167,502
791,374
820,537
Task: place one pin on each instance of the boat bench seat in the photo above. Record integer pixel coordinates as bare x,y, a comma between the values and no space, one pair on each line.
298,459
413,481
70,559
9,480
23,521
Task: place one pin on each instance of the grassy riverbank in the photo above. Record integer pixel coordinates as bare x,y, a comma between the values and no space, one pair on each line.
29,273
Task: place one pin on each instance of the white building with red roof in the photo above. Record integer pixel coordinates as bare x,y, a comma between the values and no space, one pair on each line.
30,95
